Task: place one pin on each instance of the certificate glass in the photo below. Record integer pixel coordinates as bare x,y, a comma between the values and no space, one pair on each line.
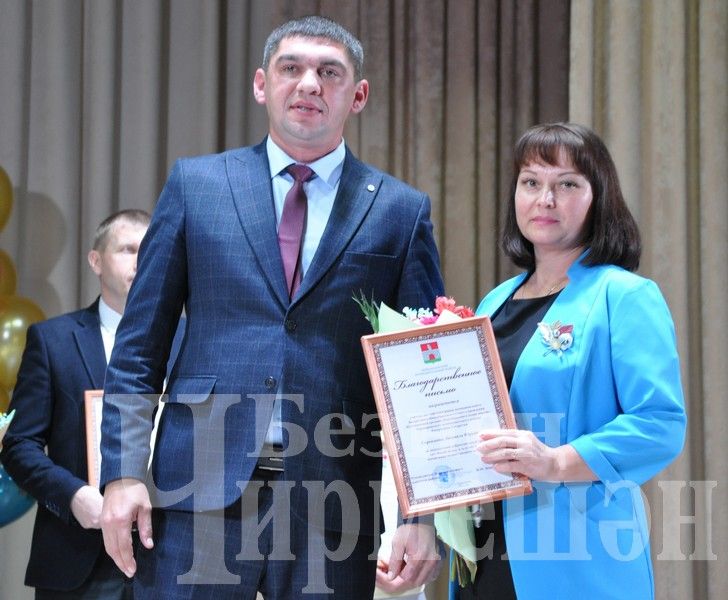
93,401
435,388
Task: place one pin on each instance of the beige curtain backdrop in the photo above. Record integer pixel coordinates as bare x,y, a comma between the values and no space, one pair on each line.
651,78
98,97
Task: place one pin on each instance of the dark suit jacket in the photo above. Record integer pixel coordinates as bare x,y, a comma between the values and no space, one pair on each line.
63,357
212,247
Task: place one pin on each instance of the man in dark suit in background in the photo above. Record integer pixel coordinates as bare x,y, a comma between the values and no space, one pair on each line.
269,408
64,357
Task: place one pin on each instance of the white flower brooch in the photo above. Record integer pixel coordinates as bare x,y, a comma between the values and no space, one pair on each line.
557,337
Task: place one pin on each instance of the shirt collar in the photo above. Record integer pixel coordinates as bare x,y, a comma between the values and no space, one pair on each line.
108,316
327,168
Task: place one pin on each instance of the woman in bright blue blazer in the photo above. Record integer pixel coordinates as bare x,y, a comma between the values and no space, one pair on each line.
588,348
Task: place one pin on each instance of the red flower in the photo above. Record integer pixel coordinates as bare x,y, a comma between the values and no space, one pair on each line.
444,303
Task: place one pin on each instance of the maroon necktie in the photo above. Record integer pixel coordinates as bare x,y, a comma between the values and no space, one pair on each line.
291,227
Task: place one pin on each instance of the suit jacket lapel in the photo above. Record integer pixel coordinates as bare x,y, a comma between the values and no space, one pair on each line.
358,187
250,181
91,345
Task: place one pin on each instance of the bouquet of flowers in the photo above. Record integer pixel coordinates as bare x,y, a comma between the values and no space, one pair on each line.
454,526
5,423
384,319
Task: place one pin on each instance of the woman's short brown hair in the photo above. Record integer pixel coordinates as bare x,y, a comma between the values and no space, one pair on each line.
611,233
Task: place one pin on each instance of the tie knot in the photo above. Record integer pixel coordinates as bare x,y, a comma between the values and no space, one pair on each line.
300,173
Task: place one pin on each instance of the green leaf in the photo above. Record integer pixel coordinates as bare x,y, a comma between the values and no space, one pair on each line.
369,308
462,570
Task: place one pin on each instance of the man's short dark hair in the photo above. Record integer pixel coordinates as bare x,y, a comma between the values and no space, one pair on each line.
134,216
610,232
316,27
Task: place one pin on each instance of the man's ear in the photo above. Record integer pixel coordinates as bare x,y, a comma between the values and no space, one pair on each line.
94,261
259,86
360,96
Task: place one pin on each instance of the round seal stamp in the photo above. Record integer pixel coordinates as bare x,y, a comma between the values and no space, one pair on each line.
444,476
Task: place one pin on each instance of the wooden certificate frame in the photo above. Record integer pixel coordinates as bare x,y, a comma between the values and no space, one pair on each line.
435,386
93,405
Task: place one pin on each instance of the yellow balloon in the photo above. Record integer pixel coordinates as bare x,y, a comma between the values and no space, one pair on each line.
8,279
6,197
4,400
16,315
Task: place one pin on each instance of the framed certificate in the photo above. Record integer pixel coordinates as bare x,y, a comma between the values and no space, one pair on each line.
435,388
93,403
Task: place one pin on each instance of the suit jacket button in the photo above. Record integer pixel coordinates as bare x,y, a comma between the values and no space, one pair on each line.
290,325
270,382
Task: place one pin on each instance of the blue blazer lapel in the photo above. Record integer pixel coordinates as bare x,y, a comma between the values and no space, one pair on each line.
91,345
499,295
250,182
358,187
571,307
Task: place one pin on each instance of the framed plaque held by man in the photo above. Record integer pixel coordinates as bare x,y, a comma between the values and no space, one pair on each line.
435,388
93,403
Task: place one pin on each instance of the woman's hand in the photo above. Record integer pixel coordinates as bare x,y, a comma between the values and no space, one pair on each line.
519,451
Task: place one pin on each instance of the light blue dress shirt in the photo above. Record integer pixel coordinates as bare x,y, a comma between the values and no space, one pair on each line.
321,193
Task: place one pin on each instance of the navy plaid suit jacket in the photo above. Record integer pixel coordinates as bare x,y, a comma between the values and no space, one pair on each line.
212,248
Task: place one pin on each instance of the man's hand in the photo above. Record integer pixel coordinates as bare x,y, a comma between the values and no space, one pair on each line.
86,507
126,501
414,560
